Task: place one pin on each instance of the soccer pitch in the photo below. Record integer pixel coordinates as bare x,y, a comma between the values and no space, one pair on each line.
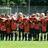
23,44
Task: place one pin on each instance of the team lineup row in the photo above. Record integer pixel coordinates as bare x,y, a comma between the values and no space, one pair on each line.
34,27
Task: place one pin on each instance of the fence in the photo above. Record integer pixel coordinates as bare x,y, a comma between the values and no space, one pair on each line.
25,9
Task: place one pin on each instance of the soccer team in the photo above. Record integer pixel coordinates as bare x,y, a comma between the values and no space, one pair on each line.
34,27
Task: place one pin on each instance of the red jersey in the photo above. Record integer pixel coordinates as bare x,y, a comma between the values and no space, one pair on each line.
43,28
46,20
21,26
31,26
8,30
3,27
26,25
0,26
36,26
42,20
8,26
13,25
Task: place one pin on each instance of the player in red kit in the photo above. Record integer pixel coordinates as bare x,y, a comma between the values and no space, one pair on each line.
21,27
13,28
34,20
43,26
8,29
3,28
26,27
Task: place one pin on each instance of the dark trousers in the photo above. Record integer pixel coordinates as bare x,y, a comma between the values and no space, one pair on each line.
33,34
47,37
21,30
2,35
10,35
30,35
37,34
15,36
25,36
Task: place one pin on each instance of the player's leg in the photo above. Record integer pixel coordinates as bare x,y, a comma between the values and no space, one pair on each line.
15,35
6,36
37,35
25,36
2,37
0,34
46,36
30,35
11,36
43,36
22,34
19,34
34,34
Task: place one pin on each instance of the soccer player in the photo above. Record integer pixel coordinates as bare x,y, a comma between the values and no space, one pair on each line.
34,21
21,27
37,29
44,31
8,29
0,29
46,25
13,28
3,28
31,28
43,26
26,28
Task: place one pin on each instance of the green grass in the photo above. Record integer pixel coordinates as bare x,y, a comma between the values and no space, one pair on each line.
23,44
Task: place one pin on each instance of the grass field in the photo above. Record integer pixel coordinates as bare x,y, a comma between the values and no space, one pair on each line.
23,44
